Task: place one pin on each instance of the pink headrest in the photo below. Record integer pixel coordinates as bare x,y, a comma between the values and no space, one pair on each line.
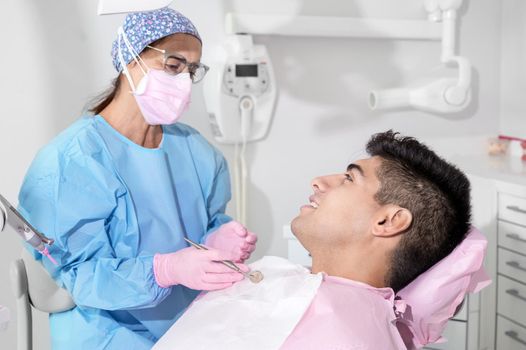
432,298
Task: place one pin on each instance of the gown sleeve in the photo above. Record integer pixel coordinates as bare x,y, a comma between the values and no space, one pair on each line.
81,204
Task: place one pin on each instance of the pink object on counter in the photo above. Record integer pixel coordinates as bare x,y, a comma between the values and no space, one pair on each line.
497,146
511,138
346,314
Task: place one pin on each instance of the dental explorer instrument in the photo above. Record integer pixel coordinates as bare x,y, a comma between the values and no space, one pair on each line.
253,276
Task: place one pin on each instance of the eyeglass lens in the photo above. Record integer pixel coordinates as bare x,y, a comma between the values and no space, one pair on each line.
174,65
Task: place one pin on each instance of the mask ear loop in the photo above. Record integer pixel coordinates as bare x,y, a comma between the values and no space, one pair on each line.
135,56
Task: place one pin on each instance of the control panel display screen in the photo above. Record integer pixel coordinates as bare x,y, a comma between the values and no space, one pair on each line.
246,70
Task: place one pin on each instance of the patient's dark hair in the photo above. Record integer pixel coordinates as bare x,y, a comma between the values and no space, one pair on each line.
435,192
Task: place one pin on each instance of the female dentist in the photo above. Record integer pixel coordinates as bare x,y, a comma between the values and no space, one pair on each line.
118,192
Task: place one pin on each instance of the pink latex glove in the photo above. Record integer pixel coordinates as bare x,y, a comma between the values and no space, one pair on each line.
196,269
234,238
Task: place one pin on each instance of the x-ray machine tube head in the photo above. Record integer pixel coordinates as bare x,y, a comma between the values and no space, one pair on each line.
241,73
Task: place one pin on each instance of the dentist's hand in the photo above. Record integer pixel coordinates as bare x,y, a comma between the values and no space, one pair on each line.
196,269
234,238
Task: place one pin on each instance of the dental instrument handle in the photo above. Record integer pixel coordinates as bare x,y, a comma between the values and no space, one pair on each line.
195,245
253,276
227,263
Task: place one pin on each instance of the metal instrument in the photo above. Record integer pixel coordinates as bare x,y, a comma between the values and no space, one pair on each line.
22,227
253,276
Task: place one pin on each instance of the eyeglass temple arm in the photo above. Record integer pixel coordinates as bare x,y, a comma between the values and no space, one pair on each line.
156,49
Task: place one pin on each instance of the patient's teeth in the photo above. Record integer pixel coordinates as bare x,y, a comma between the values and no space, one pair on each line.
314,205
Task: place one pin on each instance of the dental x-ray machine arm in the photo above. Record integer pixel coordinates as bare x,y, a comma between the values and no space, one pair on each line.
446,11
444,95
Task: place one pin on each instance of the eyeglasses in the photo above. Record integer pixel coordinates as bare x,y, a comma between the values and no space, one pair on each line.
174,63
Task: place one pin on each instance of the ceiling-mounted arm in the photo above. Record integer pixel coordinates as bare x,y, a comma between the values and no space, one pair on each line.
445,11
443,95
457,95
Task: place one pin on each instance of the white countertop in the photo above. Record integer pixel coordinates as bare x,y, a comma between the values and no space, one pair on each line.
501,168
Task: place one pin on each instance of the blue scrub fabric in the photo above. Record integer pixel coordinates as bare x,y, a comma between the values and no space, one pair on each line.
110,205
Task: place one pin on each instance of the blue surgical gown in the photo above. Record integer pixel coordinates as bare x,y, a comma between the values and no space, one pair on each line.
110,205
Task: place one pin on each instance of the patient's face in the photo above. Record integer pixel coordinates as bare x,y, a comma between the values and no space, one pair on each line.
341,209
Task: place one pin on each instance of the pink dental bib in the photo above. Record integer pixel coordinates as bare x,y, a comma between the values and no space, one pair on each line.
347,315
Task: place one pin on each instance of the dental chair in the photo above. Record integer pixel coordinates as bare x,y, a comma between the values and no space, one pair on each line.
428,302
434,297
34,288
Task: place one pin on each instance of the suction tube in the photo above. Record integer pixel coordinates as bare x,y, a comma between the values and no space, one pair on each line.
390,98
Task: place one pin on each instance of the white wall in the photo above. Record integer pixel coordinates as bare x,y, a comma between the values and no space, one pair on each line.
513,69
59,57
322,117
54,57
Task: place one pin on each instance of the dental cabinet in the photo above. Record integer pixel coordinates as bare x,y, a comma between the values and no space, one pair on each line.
495,318
499,211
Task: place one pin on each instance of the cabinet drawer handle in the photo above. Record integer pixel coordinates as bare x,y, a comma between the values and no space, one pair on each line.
515,293
516,208
516,265
516,237
513,335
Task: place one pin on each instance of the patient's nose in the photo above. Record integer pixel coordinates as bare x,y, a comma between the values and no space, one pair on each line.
323,183
317,184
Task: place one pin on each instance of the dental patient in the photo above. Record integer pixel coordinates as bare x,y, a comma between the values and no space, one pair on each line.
371,230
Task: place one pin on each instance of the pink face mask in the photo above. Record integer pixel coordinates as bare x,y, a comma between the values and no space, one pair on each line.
162,98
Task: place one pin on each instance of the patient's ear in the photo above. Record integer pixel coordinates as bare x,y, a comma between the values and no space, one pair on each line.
391,221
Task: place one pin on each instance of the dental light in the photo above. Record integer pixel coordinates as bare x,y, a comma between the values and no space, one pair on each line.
445,95
109,7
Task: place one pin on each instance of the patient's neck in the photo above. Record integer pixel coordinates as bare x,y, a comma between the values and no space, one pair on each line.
362,265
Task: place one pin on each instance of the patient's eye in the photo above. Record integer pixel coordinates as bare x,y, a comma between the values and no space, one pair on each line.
348,177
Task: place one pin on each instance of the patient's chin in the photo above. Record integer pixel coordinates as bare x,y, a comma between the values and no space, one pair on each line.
298,228
295,226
